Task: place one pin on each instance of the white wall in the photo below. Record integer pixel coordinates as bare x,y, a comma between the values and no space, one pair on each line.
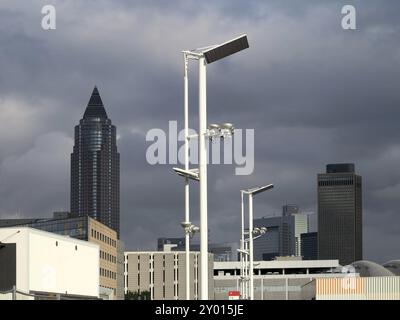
19,236
44,266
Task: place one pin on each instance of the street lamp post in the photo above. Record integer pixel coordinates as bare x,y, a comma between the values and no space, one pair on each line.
251,251
242,245
247,249
203,180
205,56
187,194
188,174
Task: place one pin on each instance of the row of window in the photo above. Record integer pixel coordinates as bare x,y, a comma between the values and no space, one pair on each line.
102,237
342,182
151,280
108,274
108,257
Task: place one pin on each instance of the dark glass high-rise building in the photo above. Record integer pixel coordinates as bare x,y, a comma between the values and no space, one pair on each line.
309,245
95,166
340,214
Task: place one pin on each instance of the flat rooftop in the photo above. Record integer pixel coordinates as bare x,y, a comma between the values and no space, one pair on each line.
280,264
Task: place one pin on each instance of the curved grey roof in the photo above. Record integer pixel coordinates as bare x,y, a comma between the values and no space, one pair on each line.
371,269
393,266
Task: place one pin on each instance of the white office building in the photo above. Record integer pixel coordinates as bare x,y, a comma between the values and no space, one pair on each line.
45,265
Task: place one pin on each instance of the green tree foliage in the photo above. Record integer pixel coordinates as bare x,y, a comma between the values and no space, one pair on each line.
138,295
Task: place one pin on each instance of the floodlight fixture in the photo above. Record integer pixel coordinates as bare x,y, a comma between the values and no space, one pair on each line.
258,232
190,228
192,174
223,130
227,130
225,49
213,130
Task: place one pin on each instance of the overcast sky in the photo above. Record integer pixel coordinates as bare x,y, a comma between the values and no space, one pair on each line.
313,92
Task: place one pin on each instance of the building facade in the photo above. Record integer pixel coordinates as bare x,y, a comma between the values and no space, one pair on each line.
309,245
107,240
163,274
284,279
269,245
91,230
43,264
340,214
300,226
95,166
362,288
120,293
283,237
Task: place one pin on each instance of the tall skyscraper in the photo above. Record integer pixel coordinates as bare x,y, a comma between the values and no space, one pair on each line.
340,214
95,166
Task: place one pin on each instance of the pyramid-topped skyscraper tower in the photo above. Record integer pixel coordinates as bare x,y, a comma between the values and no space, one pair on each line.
95,166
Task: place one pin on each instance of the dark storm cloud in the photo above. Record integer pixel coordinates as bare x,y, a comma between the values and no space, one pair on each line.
314,94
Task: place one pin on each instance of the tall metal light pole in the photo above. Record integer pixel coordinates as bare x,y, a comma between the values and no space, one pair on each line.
203,180
187,194
251,251
242,248
205,56
188,174
249,273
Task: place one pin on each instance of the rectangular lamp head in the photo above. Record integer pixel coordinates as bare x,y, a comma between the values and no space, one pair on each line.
258,190
190,174
226,49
